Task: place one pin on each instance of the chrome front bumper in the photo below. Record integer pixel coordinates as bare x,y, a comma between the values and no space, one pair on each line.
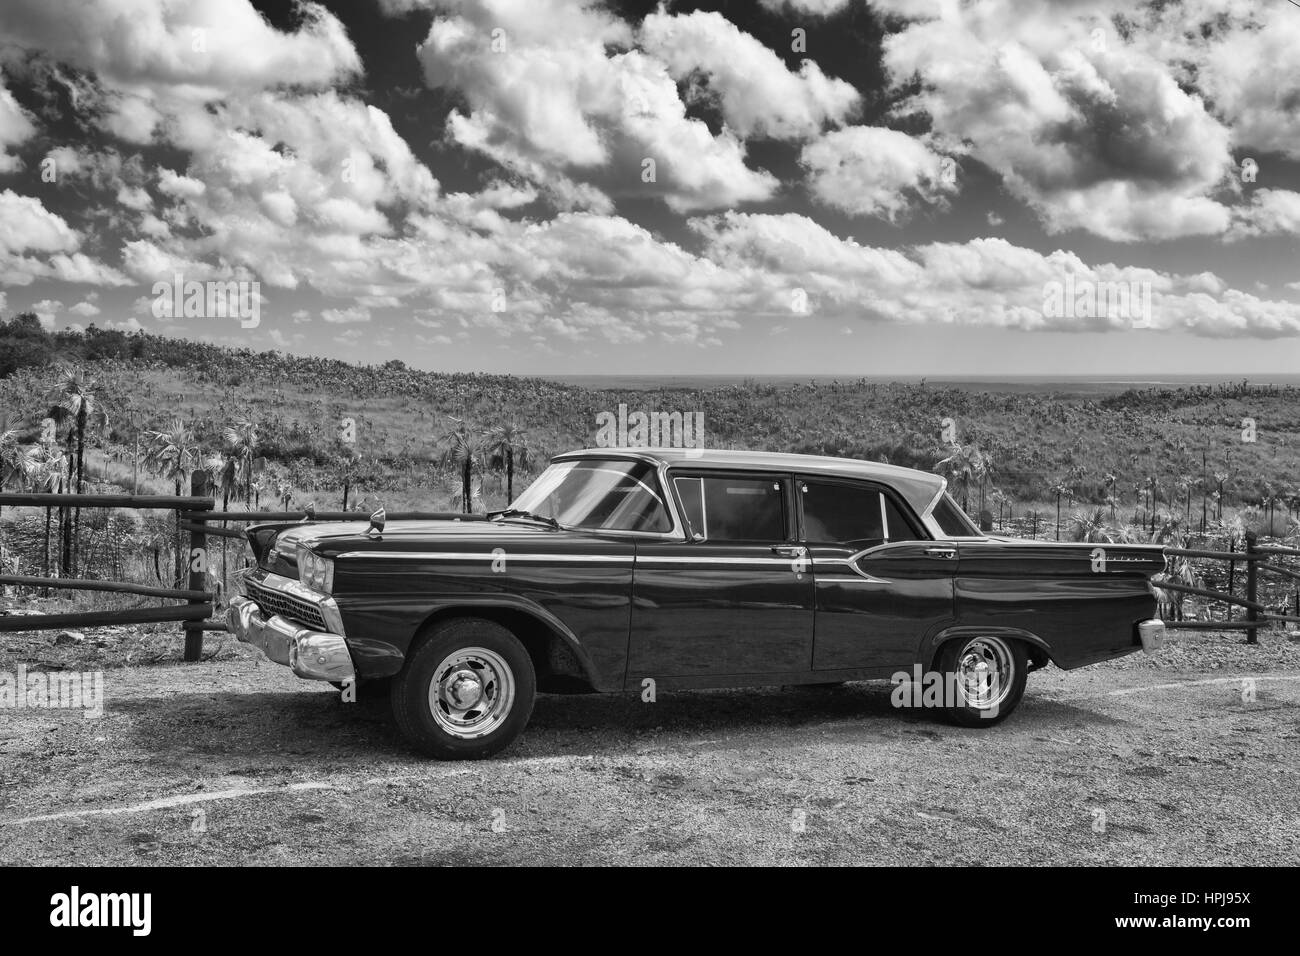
1152,633
315,655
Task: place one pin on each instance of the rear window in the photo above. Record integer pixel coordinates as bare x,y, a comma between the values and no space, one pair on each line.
952,521
856,516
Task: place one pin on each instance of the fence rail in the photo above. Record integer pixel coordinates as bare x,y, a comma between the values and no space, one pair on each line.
1255,557
197,517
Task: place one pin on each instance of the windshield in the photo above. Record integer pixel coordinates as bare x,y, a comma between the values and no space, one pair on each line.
598,494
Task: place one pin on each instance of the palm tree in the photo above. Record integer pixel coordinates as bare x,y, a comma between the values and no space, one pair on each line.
174,452
132,412
1220,478
999,498
73,393
241,437
1184,489
16,462
1091,527
46,476
508,444
460,502
1060,487
223,478
1109,480
464,453
283,490
962,468
988,473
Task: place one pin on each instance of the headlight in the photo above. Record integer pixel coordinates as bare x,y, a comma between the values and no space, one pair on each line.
315,571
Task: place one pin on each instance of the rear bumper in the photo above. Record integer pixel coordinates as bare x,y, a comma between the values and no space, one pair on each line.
1152,634
315,655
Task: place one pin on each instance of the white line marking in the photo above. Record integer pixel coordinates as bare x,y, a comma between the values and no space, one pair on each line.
166,803
181,800
1187,683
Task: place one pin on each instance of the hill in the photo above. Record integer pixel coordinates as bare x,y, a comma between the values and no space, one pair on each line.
1193,442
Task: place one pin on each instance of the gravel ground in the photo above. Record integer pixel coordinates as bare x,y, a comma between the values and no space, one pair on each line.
235,761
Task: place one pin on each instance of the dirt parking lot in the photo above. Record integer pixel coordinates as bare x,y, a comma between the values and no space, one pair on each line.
235,761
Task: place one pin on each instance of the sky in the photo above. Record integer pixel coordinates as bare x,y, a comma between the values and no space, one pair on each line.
894,187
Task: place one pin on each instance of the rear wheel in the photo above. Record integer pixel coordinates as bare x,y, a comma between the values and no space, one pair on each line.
984,679
466,691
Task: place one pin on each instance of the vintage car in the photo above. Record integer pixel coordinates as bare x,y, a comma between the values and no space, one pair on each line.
628,569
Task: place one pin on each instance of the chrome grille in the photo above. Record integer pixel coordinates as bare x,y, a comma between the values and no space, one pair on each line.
286,605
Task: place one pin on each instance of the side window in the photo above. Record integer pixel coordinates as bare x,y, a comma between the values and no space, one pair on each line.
720,508
853,515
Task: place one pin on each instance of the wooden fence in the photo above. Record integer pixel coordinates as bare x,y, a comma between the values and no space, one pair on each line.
1256,559
196,515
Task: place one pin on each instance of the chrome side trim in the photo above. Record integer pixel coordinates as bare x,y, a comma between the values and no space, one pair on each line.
704,559
852,564
489,557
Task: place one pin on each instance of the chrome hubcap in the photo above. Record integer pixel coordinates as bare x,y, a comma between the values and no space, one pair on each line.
472,692
985,671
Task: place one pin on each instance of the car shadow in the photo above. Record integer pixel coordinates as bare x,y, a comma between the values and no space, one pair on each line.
296,730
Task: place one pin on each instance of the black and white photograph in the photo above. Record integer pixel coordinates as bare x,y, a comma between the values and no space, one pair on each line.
651,433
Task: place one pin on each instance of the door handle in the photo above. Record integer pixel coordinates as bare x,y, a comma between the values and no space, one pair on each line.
789,551
941,552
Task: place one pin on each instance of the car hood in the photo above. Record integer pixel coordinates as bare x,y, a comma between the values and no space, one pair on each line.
276,544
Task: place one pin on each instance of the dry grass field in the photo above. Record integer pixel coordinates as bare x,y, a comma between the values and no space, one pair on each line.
235,761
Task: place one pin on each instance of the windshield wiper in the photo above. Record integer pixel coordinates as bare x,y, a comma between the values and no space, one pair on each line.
520,513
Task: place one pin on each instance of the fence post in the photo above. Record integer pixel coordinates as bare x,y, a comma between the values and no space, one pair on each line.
1251,613
1232,576
198,577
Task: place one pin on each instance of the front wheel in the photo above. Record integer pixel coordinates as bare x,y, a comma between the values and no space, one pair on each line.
466,691
984,678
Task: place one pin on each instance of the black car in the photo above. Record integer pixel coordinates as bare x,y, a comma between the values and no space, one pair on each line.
682,568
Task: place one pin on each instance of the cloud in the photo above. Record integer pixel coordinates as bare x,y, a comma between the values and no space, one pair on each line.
1270,212
198,49
26,225
1226,48
1097,136
16,127
983,282
756,93
557,94
817,8
36,243
85,309
872,171
47,310
348,316
129,324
